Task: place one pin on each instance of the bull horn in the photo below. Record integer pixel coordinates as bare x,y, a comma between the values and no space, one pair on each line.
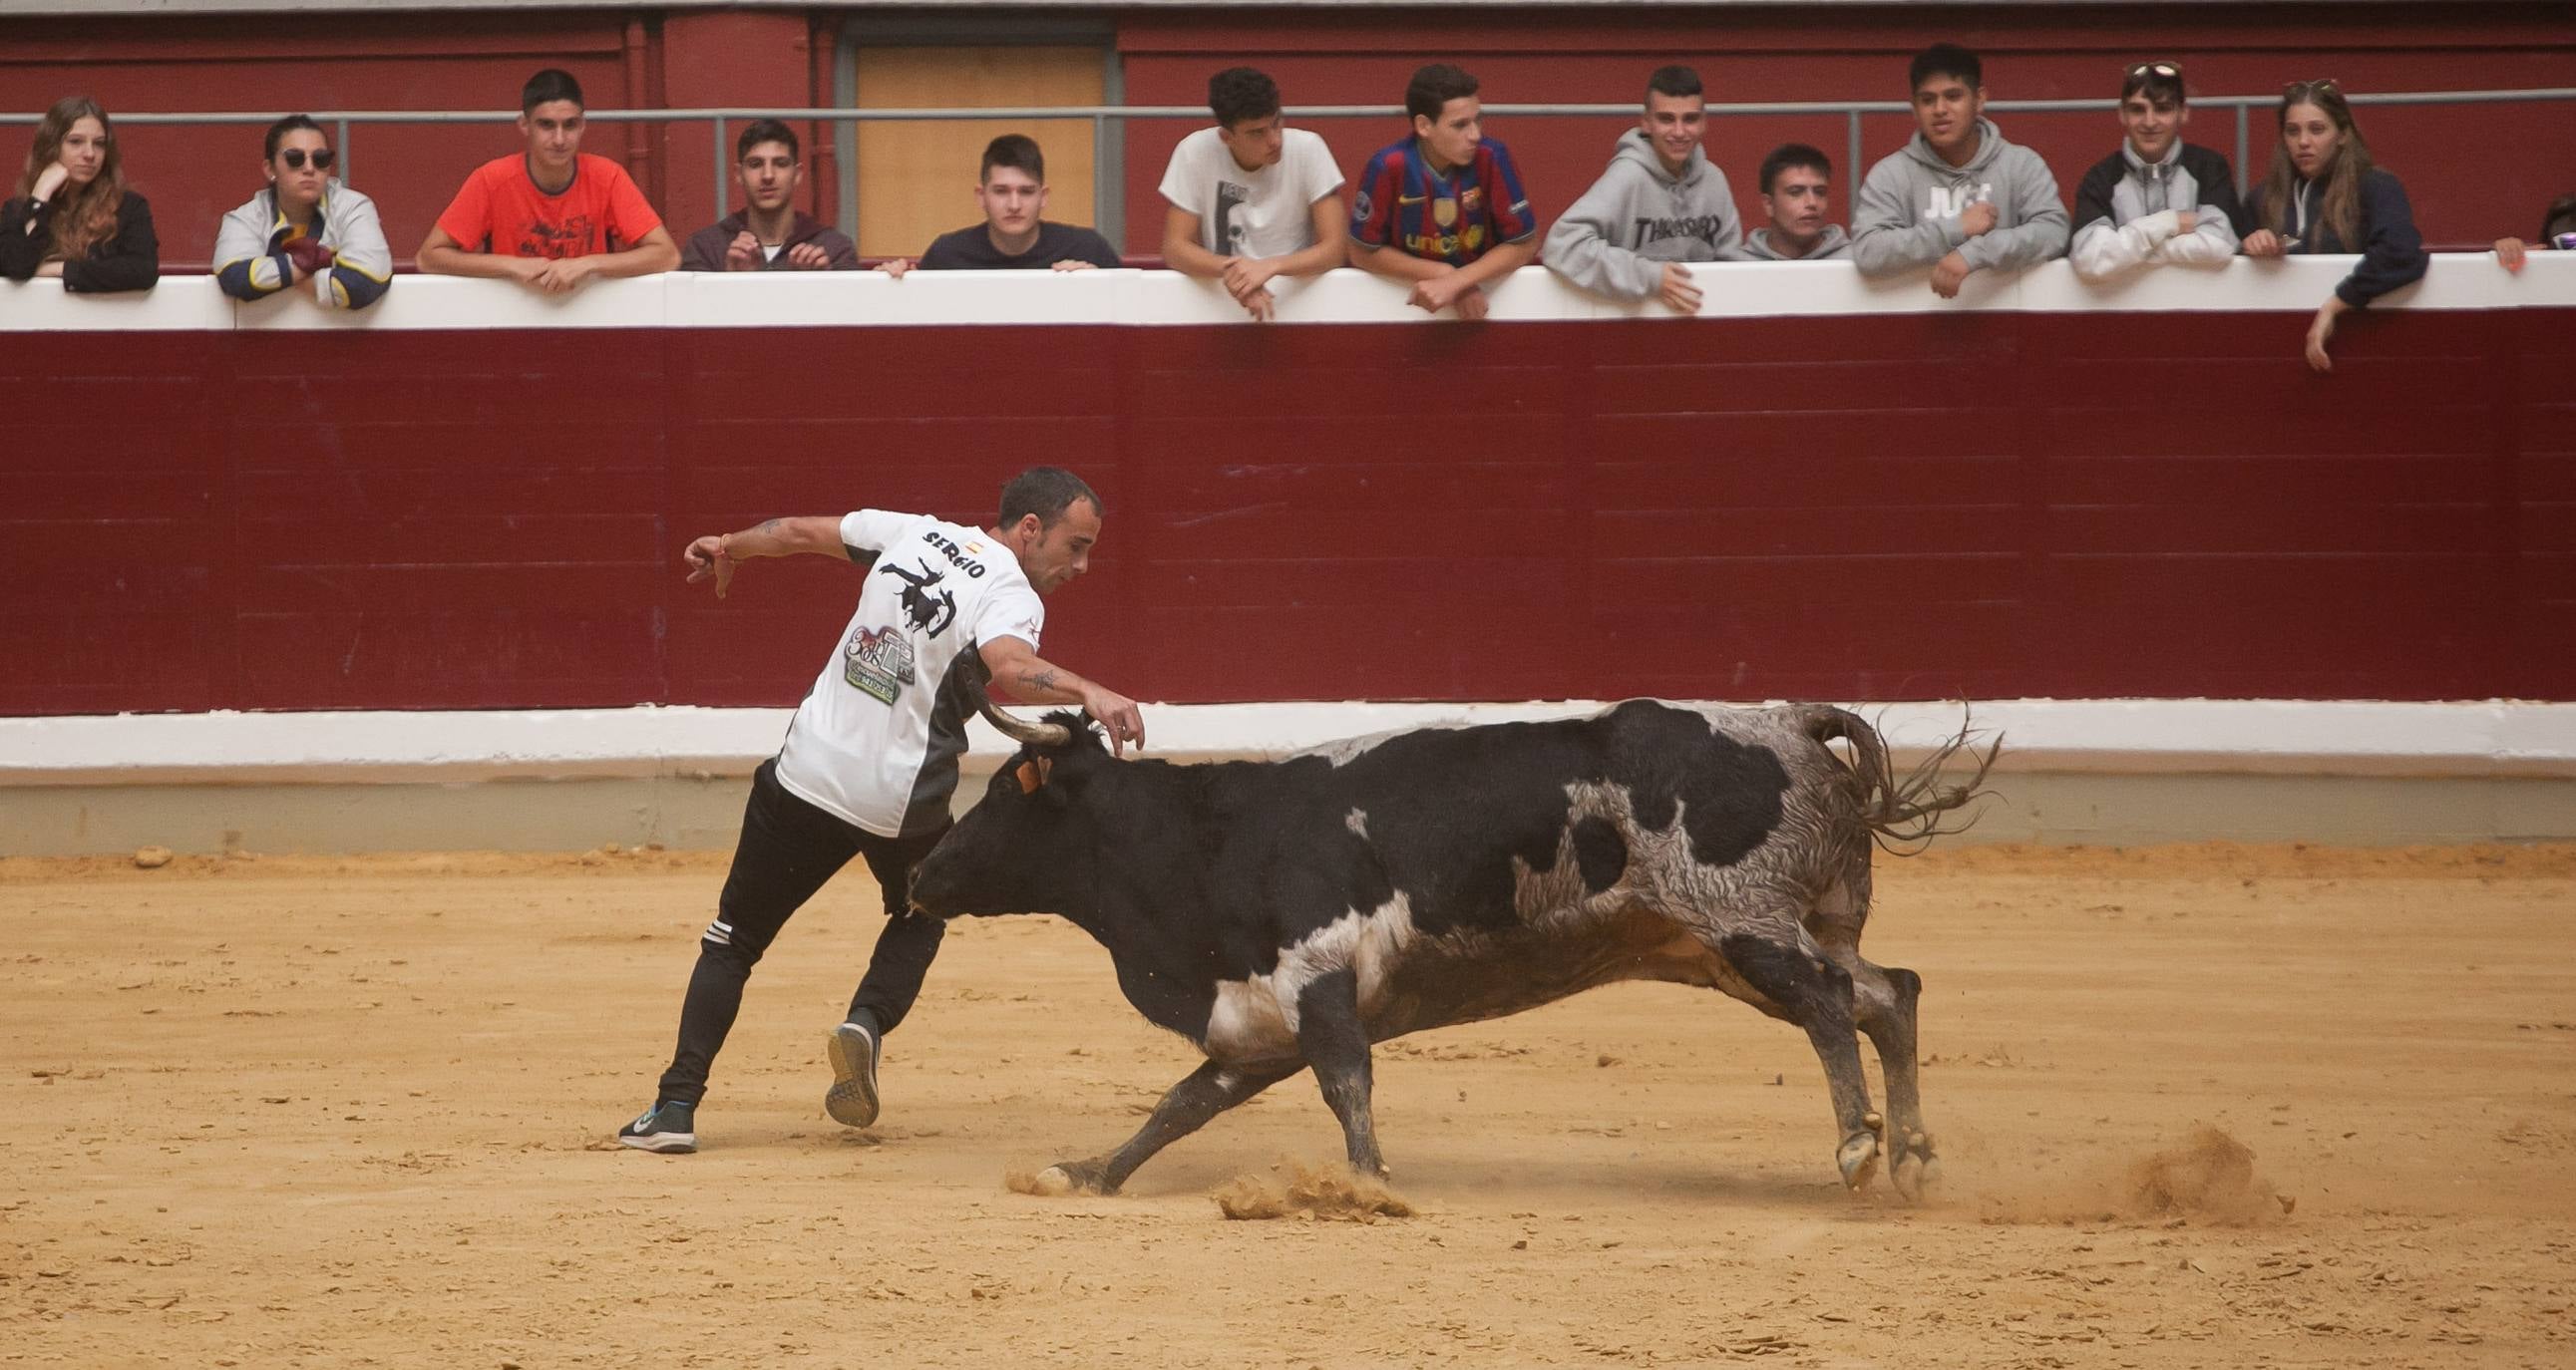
1021,730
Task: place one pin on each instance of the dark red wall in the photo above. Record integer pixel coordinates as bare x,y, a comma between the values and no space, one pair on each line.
1877,507
2476,172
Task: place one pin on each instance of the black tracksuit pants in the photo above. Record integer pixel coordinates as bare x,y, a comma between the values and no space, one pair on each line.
789,848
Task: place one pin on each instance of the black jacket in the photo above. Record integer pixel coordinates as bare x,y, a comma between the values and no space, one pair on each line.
131,260
2392,252
971,249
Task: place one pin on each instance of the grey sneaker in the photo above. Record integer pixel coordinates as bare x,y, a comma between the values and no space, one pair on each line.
852,1099
667,1128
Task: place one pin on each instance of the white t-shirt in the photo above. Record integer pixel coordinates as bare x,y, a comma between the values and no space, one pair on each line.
1264,213
876,740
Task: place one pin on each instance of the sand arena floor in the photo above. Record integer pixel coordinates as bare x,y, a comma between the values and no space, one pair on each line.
344,1113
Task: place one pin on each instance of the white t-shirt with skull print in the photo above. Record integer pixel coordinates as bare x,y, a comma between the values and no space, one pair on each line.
876,740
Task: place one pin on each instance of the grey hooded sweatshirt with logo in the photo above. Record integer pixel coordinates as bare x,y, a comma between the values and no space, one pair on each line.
1907,215
1830,244
1616,239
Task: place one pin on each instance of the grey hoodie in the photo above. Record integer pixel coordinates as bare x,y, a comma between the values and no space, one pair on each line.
1616,239
1907,215
1833,242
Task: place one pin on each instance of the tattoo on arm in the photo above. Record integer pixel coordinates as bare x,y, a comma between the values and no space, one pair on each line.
769,525
1039,680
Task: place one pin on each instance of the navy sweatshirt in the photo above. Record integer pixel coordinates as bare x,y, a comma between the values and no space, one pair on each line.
2392,252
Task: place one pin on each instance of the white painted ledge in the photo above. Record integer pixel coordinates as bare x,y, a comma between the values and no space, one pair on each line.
853,299
2190,736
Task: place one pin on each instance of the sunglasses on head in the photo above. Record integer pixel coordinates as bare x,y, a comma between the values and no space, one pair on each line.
2311,87
294,159
2166,70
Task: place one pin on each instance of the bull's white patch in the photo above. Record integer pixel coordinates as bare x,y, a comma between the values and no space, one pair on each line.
1803,868
1557,896
1255,1018
1343,751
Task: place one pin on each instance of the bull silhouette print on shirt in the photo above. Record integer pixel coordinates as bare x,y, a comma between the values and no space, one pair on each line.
930,612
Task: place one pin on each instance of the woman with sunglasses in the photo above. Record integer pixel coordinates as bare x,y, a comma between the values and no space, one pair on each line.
306,226
2157,199
2325,195
72,216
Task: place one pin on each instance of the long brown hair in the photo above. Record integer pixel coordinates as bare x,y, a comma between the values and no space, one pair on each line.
84,216
2339,203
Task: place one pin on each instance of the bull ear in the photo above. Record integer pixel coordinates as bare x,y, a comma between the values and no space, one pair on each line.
1032,774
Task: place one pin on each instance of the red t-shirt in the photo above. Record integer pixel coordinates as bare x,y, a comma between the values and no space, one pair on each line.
502,211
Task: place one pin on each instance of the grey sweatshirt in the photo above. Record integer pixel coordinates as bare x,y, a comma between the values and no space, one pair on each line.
1616,239
1907,215
1833,242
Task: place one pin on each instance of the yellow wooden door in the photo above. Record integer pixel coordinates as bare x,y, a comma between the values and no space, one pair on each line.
916,179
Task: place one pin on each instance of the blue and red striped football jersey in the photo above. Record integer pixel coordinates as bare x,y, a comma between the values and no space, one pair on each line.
1454,218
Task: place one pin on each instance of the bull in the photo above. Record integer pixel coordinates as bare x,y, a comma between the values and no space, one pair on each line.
1289,914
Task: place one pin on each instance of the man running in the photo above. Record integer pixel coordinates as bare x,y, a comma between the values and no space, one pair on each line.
870,759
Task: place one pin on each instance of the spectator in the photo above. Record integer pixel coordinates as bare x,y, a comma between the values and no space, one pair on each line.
552,217
72,216
1796,186
2158,199
770,233
1443,209
1957,198
2324,195
1011,187
1251,200
306,226
1661,203
2557,229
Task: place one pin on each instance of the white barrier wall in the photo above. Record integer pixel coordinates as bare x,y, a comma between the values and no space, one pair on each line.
2146,736
2456,281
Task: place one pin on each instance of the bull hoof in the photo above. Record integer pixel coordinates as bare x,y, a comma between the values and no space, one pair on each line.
1858,1159
1915,1172
1072,1177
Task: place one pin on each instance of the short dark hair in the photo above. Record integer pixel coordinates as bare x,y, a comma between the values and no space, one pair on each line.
766,131
1674,80
1789,155
1240,93
1434,86
548,86
2162,81
1019,152
2559,218
1945,59
277,131
1046,491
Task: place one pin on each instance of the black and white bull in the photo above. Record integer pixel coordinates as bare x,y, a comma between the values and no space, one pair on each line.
1287,914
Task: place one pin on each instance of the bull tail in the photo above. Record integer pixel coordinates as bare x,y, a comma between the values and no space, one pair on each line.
1903,815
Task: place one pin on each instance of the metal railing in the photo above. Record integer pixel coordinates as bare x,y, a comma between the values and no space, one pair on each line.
1108,121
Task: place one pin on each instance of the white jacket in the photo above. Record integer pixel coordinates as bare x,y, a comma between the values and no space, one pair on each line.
250,249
